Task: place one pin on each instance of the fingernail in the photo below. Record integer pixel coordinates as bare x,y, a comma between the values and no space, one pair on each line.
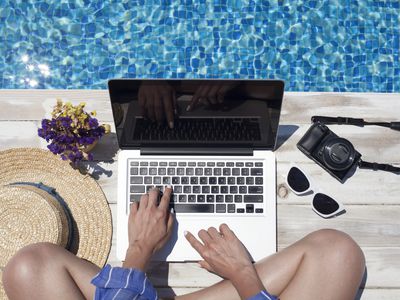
172,210
175,111
171,124
169,186
185,233
188,108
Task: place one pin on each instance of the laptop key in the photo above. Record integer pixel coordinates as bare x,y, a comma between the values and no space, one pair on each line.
137,189
147,180
249,208
201,198
259,210
224,189
228,198
258,189
134,171
135,197
196,189
187,189
219,198
136,180
259,180
193,208
184,180
210,198
153,171
134,163
157,180
203,180
231,208
253,198
182,198
212,180
238,198
240,210
166,180
215,189
258,164
175,180
192,198
178,189
220,208
256,171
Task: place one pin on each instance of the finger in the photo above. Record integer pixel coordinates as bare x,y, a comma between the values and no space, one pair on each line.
144,200
212,94
176,112
205,237
133,208
221,93
154,194
165,199
213,232
205,265
150,108
226,231
195,243
169,110
142,103
170,222
158,109
196,97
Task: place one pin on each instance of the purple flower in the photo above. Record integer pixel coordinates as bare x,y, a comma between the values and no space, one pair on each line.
93,123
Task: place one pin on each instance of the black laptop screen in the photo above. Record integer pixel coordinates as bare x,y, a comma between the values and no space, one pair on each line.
196,113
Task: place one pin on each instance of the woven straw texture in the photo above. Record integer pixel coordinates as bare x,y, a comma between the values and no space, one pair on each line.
85,199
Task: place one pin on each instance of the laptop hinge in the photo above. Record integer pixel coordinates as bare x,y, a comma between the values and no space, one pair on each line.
196,151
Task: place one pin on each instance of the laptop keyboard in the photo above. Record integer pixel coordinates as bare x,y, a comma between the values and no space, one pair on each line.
202,186
200,129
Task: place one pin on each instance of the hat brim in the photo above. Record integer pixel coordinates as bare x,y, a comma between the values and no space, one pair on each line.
84,197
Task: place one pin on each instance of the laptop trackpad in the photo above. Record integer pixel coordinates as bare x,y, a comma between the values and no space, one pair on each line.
251,230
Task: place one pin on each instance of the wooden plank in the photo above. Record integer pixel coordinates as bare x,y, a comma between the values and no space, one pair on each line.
35,104
369,225
367,294
297,107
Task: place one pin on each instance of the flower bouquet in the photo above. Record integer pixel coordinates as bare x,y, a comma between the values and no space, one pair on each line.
72,132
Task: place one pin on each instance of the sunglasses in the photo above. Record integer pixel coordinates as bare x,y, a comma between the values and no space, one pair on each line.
301,184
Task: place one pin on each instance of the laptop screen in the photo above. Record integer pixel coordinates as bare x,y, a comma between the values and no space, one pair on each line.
195,113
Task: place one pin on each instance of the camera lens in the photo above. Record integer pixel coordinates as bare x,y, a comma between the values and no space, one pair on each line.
338,154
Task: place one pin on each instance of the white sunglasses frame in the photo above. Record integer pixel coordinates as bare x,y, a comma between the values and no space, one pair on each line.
312,189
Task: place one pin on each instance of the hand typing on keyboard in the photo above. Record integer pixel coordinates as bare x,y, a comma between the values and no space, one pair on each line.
149,227
225,255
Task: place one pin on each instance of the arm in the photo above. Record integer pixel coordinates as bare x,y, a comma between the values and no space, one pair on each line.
149,227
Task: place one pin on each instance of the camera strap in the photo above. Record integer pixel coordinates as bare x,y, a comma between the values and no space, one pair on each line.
375,166
354,121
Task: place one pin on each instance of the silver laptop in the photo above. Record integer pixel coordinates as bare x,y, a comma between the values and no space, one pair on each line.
218,157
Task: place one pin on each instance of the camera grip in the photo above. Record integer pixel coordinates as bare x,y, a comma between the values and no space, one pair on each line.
311,138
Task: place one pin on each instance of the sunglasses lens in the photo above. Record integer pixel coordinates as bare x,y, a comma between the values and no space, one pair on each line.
297,180
325,204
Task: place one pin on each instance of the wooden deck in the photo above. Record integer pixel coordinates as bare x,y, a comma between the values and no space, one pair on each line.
372,199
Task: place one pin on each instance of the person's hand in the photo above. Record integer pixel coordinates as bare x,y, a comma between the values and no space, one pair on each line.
222,251
225,255
210,93
157,101
149,227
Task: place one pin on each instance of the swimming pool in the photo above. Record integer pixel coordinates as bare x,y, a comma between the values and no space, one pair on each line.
336,45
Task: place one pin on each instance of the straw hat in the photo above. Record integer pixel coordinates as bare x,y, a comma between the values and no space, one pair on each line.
43,199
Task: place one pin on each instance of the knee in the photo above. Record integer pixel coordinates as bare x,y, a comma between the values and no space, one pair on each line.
339,247
27,264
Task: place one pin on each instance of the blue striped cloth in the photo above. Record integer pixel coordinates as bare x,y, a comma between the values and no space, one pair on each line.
115,283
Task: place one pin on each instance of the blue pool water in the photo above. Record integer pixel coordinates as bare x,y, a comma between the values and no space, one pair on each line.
335,45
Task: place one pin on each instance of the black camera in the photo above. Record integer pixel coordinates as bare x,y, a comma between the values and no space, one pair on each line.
335,154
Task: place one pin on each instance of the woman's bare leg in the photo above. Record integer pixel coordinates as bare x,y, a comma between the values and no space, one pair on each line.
47,271
326,264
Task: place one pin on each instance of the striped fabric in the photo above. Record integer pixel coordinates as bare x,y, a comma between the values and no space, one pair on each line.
115,283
